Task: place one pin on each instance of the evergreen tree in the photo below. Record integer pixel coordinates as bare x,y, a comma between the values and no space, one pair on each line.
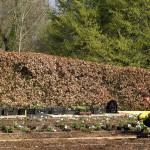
110,31
73,31
127,26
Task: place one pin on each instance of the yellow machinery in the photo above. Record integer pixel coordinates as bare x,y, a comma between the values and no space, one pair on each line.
145,118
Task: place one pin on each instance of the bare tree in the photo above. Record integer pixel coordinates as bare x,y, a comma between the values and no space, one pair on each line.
23,19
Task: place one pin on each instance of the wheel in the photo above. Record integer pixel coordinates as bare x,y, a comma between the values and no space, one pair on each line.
147,122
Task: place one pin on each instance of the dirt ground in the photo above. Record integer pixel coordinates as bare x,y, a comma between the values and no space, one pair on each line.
72,141
68,140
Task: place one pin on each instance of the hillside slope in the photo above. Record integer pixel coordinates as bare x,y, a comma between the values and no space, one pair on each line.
29,79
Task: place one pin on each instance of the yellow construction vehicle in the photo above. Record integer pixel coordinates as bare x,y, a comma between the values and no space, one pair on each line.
145,118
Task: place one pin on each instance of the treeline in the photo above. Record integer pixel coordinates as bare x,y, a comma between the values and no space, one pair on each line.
107,31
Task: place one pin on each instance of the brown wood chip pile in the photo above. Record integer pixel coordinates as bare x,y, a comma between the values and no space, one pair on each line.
28,79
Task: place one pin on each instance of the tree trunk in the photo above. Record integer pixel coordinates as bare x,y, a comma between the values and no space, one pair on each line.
6,42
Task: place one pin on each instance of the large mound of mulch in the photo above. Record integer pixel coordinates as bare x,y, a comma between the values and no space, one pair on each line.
33,79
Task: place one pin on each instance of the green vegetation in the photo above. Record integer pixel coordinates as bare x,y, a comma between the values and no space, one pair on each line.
82,108
86,123
7,129
106,31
